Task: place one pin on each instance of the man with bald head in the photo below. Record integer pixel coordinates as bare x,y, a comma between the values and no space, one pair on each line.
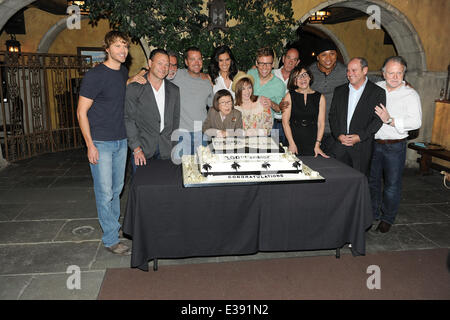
353,120
290,60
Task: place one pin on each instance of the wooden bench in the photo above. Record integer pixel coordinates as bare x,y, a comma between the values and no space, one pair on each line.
426,154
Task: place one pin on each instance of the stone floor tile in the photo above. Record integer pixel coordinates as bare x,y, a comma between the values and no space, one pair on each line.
11,287
400,237
45,258
79,170
7,182
425,196
45,195
28,182
419,214
47,172
80,230
439,233
444,208
29,231
73,182
10,211
59,210
55,286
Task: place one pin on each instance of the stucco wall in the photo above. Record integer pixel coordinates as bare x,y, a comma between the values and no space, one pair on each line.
363,42
38,22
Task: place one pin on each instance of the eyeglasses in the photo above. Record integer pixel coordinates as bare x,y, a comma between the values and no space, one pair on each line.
398,74
226,103
264,64
302,75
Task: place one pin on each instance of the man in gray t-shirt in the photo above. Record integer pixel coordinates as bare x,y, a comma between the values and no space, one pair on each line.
328,74
196,94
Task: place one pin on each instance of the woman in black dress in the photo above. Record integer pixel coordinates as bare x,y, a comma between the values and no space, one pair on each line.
303,114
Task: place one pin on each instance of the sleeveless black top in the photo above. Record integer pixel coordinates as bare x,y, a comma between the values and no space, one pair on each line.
303,121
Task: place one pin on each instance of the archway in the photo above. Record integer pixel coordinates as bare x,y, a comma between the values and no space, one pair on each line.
335,39
52,33
402,32
9,7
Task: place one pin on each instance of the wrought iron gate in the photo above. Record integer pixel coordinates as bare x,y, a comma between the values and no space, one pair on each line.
39,98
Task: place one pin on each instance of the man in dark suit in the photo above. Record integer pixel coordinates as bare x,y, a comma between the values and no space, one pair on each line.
152,112
353,120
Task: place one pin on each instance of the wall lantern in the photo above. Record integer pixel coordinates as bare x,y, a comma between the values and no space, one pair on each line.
80,4
319,16
217,15
12,45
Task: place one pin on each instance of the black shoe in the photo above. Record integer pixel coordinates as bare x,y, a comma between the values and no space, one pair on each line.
383,227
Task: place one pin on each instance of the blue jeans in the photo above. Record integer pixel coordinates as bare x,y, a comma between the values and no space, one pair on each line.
108,175
388,161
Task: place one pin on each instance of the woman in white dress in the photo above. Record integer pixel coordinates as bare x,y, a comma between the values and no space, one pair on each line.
222,69
257,119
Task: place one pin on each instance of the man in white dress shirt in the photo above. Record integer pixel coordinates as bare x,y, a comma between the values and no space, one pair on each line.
401,114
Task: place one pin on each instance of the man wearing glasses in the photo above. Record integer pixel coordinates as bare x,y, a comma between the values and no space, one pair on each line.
268,87
173,65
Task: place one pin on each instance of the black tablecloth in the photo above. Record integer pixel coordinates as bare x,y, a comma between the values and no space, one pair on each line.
166,220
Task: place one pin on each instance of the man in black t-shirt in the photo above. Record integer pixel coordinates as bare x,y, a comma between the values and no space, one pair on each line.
101,117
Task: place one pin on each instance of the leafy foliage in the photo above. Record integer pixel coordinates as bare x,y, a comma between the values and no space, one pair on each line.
177,24
259,24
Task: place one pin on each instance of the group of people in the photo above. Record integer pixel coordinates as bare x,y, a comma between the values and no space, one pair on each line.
326,109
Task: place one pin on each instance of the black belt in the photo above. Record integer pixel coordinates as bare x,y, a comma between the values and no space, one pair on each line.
380,141
303,122
277,120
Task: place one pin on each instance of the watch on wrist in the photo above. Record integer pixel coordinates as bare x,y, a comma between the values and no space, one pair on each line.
389,121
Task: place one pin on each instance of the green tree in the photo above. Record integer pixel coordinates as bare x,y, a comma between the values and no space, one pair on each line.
177,24
267,23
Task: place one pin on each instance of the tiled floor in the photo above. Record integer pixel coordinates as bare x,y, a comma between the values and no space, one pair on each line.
48,222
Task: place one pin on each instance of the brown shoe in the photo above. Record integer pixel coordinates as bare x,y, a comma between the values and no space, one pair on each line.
120,249
383,227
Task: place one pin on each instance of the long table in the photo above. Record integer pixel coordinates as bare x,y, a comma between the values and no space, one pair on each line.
166,220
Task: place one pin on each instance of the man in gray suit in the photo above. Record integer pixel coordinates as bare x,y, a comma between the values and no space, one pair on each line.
152,112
